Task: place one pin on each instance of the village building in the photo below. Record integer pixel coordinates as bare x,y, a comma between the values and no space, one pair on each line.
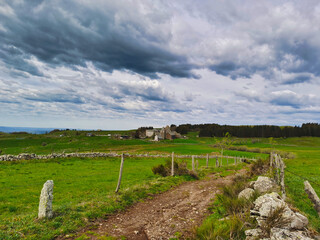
150,132
167,133
158,134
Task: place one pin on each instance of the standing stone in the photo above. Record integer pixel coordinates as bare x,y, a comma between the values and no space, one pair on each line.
46,197
312,196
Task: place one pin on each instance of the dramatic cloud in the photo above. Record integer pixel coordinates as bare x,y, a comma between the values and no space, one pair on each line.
71,33
122,64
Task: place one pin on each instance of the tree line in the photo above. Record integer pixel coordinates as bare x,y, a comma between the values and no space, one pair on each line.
263,131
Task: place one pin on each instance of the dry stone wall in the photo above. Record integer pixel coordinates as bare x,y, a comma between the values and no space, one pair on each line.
29,156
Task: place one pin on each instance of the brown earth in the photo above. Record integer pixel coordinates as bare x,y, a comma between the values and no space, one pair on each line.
177,211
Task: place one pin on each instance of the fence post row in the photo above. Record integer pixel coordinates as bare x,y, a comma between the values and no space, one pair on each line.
120,173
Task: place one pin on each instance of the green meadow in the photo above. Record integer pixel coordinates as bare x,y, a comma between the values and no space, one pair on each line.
84,188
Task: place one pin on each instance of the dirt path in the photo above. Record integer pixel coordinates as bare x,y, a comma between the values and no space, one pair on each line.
178,210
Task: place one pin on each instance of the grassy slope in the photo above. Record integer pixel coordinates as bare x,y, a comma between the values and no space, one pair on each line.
70,173
83,189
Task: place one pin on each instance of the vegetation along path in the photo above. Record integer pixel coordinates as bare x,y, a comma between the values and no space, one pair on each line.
174,213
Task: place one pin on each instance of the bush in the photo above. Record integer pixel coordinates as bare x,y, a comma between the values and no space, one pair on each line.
259,167
180,169
160,170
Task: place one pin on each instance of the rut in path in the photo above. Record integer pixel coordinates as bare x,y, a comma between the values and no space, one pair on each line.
177,210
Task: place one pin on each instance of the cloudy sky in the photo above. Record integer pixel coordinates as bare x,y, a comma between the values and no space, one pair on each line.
124,64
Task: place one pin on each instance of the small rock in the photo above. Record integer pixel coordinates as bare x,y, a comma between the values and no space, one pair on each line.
264,185
253,234
299,221
251,184
136,232
266,204
246,193
282,234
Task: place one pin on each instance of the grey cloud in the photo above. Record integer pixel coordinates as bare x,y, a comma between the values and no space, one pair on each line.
83,33
254,38
292,99
148,93
298,78
232,70
15,58
47,96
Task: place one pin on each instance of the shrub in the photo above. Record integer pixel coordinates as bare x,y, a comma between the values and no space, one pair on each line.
180,169
160,170
275,219
259,167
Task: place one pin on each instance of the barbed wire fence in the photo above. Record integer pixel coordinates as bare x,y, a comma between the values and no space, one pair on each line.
278,170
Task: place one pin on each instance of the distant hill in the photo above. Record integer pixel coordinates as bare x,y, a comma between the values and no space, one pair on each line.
25,129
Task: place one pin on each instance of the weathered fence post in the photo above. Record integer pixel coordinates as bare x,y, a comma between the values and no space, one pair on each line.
312,196
283,189
120,173
46,197
207,162
271,162
217,162
192,162
172,164
277,177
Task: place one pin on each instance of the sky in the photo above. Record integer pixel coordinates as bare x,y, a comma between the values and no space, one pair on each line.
99,64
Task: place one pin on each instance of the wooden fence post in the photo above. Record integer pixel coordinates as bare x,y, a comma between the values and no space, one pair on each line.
192,162
217,162
312,196
271,163
172,164
207,162
120,173
277,178
283,189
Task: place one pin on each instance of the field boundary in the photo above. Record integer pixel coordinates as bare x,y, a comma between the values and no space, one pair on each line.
32,156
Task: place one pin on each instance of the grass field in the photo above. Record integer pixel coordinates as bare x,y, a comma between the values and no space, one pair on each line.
83,190
84,187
